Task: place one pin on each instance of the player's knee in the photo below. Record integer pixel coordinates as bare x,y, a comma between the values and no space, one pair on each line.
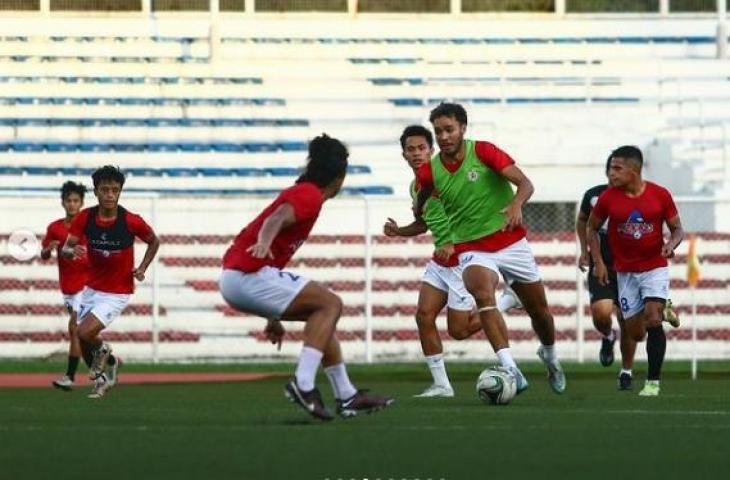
458,332
334,307
425,317
484,297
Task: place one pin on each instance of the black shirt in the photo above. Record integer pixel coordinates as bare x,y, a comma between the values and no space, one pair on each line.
586,205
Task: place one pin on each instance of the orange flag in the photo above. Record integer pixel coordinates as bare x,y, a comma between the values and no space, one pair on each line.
693,263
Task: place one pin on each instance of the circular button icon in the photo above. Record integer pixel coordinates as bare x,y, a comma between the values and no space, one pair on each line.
23,245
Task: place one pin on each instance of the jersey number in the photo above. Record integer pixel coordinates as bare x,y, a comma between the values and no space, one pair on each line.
624,304
291,276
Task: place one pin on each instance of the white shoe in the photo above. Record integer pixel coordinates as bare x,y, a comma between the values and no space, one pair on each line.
509,299
101,386
556,375
64,383
437,391
98,364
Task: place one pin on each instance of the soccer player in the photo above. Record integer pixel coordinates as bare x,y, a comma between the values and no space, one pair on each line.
636,211
472,180
110,230
72,274
253,281
441,284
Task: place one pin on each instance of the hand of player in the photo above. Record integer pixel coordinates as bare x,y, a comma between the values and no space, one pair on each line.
667,251
513,213
138,273
584,261
601,273
53,245
274,332
390,228
77,252
444,252
259,250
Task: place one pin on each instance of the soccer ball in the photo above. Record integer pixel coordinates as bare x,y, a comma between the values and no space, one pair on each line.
497,386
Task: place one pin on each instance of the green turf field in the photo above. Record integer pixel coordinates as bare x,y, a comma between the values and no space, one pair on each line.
248,430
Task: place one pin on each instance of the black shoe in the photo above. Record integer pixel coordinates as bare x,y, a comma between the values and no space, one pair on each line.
310,401
606,354
624,381
362,402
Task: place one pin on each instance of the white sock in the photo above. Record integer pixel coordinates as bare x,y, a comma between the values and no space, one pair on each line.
438,369
340,381
611,336
505,358
623,370
506,302
549,353
309,361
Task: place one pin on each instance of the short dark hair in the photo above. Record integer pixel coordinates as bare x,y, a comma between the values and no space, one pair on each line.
449,110
416,131
327,161
629,152
72,187
107,173
608,163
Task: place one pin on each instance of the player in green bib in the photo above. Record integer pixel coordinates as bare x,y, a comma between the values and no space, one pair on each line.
441,284
472,180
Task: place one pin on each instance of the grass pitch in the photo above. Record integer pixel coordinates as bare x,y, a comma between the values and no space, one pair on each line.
248,431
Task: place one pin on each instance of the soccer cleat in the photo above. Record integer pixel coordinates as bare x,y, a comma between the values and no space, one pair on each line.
605,356
514,300
669,315
64,383
98,364
445,391
362,402
101,386
112,371
651,389
520,379
310,401
625,381
556,375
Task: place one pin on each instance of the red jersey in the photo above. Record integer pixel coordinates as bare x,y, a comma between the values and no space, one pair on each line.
635,226
496,159
110,244
72,274
306,200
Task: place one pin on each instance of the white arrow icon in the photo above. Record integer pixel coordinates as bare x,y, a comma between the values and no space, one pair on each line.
23,245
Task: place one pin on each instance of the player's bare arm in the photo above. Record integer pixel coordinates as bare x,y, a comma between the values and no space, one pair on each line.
283,217
599,267
421,198
677,235
417,227
71,249
525,189
580,230
153,244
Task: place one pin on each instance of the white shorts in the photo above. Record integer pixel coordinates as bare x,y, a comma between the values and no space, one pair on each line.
71,302
635,288
516,262
267,292
104,306
448,280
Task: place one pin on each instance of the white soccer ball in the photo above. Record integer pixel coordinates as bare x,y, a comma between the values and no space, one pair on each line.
497,386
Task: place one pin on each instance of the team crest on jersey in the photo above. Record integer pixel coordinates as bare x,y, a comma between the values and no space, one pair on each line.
635,226
472,175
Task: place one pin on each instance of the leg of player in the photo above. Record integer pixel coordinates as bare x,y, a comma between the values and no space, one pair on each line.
74,352
601,311
350,401
628,350
535,304
431,301
461,328
656,345
98,353
481,283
